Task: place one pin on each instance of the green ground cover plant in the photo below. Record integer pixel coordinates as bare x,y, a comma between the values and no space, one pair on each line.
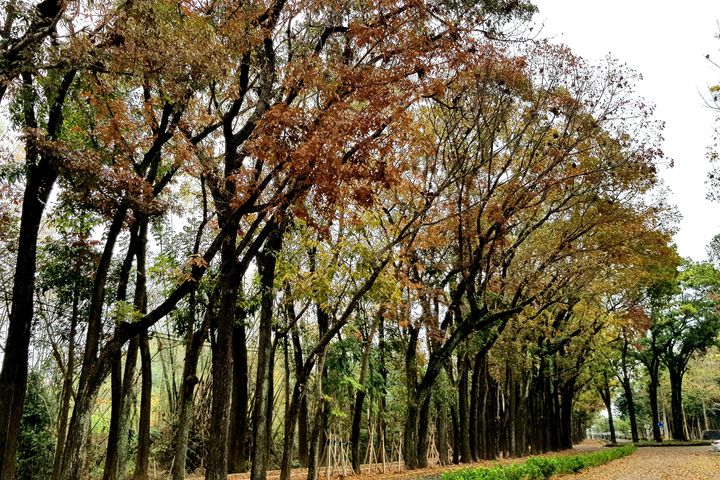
540,468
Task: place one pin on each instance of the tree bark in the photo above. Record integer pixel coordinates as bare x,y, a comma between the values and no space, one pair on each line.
442,435
410,431
262,412
676,378
193,346
654,412
463,412
238,419
321,409
143,450
222,369
67,391
110,471
360,397
302,420
607,400
40,179
627,389
316,436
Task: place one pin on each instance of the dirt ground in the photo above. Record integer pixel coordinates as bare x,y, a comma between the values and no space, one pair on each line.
395,472
658,463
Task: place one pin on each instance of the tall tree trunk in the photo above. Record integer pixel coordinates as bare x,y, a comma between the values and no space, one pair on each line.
360,397
122,385
79,422
566,416
92,373
382,407
474,407
442,434
143,449
110,471
654,412
297,401
607,400
67,391
423,427
302,420
321,411
627,389
463,412
262,414
41,173
676,378
410,429
291,417
193,347
316,436
456,433
238,417
222,368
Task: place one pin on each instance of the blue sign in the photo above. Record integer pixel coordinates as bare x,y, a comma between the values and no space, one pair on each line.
660,424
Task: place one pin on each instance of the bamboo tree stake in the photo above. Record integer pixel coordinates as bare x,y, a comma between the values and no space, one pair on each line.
382,445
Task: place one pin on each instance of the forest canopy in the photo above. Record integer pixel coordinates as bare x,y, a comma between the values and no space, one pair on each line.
243,236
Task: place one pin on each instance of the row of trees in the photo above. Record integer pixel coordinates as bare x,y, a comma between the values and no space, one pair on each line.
385,218
682,324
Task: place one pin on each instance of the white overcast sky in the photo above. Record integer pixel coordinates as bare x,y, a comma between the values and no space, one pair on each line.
666,41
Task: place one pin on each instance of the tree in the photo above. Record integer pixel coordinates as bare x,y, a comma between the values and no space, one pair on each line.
690,326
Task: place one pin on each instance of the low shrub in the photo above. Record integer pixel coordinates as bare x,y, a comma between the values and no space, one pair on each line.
674,443
541,468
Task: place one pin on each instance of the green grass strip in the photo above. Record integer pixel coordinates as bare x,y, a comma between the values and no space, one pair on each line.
541,468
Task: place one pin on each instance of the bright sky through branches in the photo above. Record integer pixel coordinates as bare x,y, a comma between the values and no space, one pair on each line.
666,42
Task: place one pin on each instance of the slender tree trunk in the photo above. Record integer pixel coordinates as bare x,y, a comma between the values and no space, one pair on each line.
143,450
474,404
442,434
360,398
222,365
316,435
607,400
67,391
294,410
302,421
92,372
79,422
262,414
110,471
382,406
627,389
463,411
456,433
291,417
410,430
238,419
193,346
41,173
654,412
321,412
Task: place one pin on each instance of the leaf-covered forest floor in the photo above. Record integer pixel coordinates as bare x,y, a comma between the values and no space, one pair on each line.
658,463
392,471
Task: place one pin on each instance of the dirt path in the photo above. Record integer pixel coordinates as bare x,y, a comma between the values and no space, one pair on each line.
395,472
658,463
